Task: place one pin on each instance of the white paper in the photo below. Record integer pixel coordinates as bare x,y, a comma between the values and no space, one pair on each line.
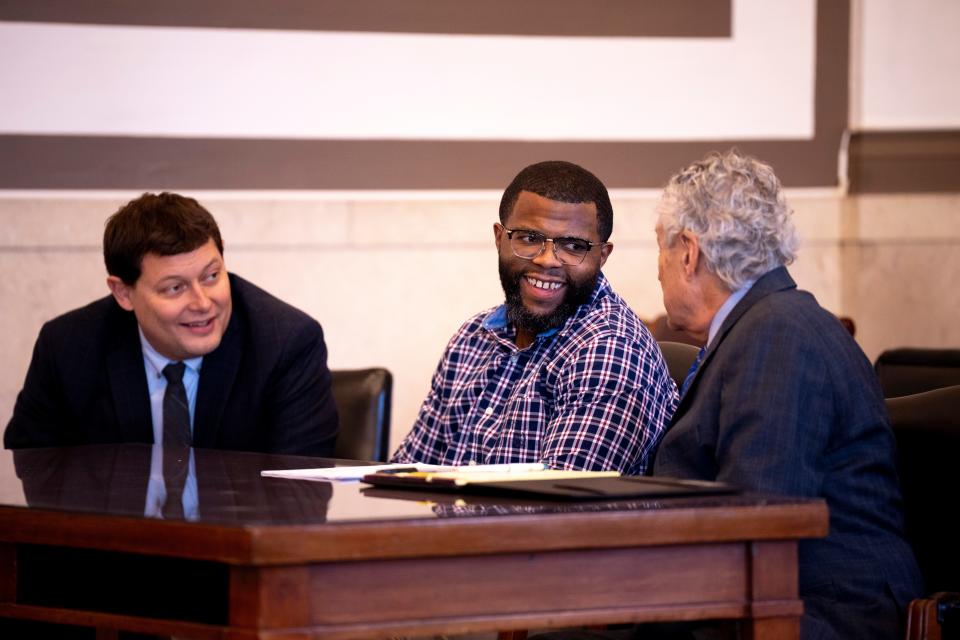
355,473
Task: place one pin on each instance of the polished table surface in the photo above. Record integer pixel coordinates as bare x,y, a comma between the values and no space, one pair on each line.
279,558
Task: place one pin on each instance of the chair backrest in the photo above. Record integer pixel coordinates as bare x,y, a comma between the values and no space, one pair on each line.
904,372
927,429
363,399
679,357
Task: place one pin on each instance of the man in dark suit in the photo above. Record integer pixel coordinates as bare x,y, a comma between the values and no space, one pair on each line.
254,372
783,400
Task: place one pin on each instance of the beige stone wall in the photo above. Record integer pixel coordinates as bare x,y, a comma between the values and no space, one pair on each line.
391,276
901,270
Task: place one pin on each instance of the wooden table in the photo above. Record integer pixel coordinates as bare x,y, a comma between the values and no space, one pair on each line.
272,558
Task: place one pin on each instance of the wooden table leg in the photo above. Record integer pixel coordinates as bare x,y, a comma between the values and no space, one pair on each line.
775,604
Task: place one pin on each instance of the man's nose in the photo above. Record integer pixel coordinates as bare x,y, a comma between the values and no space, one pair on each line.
198,297
548,256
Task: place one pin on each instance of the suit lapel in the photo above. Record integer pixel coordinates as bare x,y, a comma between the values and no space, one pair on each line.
776,280
128,379
217,375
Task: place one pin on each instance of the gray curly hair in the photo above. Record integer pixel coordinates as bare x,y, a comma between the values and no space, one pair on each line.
734,205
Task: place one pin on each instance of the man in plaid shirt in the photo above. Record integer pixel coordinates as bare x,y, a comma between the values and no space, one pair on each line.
564,372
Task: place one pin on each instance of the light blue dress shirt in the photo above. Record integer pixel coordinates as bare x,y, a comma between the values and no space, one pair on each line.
154,363
725,310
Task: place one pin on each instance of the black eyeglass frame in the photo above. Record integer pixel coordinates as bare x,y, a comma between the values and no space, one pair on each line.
553,241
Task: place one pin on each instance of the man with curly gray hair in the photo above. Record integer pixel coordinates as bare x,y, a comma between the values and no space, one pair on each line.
781,400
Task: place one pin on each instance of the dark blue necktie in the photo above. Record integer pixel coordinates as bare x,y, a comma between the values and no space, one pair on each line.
693,371
176,411
176,440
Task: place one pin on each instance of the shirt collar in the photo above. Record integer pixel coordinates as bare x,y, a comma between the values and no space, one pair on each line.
157,362
726,308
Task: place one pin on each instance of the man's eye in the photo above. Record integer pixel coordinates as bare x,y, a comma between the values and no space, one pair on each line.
173,289
574,245
530,238
212,277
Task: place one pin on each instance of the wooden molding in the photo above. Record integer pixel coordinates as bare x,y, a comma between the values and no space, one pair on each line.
581,18
905,161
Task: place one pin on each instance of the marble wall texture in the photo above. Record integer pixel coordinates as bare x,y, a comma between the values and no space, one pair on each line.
391,276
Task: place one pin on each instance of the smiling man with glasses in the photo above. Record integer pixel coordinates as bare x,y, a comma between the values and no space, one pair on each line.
563,372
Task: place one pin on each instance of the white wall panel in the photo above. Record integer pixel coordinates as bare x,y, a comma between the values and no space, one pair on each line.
908,65
109,80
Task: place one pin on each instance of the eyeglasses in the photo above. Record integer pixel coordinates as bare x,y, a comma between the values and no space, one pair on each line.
530,244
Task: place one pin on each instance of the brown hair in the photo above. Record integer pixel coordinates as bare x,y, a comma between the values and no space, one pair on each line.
165,224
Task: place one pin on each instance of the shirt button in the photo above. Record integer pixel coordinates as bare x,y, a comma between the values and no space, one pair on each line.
488,411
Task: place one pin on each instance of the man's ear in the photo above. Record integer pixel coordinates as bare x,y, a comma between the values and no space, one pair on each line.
605,252
691,252
121,292
497,235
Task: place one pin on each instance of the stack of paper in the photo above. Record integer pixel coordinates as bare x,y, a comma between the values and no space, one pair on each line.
355,473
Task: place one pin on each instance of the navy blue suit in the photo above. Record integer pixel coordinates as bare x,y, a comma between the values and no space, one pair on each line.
265,388
786,402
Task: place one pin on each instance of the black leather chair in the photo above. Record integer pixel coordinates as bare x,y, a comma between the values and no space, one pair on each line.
904,372
927,429
679,357
363,399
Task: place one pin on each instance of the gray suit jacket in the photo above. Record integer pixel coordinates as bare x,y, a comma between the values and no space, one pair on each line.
786,402
265,388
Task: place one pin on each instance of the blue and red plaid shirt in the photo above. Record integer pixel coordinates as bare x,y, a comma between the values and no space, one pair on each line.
592,394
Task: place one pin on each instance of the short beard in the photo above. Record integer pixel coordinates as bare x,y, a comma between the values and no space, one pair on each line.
522,318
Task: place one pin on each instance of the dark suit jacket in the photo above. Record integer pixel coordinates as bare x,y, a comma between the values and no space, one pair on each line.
266,387
786,402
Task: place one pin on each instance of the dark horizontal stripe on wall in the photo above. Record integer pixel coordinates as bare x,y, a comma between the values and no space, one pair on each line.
904,161
66,162
604,18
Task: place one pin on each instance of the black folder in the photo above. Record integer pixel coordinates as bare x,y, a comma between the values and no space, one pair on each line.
584,488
